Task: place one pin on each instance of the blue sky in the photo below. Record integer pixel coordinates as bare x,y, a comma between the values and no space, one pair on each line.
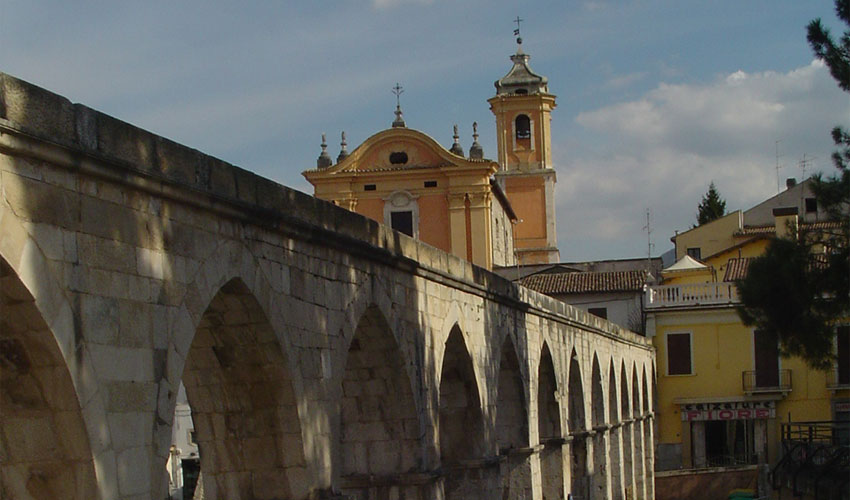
655,98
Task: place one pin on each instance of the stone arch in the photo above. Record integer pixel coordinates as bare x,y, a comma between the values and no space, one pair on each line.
600,484
579,486
615,437
626,415
648,445
549,428
512,424
45,447
379,428
461,421
511,414
637,435
241,390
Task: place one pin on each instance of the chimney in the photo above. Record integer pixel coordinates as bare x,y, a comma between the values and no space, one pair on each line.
785,221
790,182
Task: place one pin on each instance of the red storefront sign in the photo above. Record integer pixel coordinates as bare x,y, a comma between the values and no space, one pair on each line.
741,410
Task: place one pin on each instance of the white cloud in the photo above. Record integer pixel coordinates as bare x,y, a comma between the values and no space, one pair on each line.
385,4
662,150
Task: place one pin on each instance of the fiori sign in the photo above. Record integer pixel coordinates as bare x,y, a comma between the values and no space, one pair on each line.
738,410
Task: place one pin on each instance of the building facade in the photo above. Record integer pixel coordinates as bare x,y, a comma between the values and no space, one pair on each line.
723,388
491,213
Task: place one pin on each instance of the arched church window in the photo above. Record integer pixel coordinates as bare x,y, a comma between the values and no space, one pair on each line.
522,126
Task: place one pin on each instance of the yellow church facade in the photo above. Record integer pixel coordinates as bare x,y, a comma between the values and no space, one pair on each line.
492,213
724,391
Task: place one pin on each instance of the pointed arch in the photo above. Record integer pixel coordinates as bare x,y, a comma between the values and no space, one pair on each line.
511,414
240,388
648,445
600,479
461,423
637,434
379,428
615,441
549,427
626,433
45,447
579,484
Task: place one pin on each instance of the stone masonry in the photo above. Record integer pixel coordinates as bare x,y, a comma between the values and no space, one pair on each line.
323,355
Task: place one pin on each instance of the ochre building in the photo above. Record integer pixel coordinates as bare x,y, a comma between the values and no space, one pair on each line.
489,213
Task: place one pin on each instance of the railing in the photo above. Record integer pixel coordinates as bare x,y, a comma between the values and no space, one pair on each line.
692,294
815,460
766,381
835,380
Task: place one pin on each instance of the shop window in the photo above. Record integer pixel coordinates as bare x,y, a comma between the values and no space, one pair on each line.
679,354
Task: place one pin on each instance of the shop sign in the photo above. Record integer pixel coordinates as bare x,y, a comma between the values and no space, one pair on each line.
739,410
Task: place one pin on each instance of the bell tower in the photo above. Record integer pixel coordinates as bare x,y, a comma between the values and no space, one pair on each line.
522,106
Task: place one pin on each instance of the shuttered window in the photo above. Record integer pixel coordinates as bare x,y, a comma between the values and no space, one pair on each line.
679,354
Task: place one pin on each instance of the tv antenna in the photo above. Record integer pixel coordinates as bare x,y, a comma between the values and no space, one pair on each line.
649,245
778,168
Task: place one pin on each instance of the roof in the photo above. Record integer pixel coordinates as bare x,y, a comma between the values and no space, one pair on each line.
686,263
736,269
563,283
771,228
521,77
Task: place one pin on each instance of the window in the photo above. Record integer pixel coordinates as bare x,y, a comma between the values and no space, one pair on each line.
811,205
401,212
369,187
766,350
679,354
402,221
430,184
522,126
602,312
695,253
398,158
193,437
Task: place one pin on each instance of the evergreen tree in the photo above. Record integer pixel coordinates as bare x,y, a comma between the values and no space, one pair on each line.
711,207
800,286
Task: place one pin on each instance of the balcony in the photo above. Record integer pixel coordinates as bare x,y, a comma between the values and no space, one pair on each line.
691,295
838,379
767,381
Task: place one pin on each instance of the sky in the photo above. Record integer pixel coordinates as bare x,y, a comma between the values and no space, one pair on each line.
655,99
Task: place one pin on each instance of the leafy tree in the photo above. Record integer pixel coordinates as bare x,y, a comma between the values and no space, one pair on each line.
711,207
801,285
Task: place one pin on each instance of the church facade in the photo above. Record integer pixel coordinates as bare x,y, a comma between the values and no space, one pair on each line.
491,213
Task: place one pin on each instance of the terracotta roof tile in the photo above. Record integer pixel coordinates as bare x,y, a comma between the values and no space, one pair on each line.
590,282
771,229
736,269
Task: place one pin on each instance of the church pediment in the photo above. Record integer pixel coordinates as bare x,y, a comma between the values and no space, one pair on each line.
398,149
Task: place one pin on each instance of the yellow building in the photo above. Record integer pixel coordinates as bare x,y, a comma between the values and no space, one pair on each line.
490,213
723,389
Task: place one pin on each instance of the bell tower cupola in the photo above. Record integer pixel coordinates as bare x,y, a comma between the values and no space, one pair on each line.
522,107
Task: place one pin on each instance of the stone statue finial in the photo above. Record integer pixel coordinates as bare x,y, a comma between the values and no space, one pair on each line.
343,148
324,160
476,152
456,148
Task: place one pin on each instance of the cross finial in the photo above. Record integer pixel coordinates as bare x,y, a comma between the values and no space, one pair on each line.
398,90
399,119
516,31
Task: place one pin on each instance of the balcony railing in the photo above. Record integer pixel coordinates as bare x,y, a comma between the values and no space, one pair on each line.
837,380
692,294
766,381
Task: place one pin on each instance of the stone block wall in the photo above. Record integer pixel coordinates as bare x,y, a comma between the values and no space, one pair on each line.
322,353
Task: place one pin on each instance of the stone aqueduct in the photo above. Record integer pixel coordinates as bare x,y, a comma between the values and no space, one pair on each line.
322,354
